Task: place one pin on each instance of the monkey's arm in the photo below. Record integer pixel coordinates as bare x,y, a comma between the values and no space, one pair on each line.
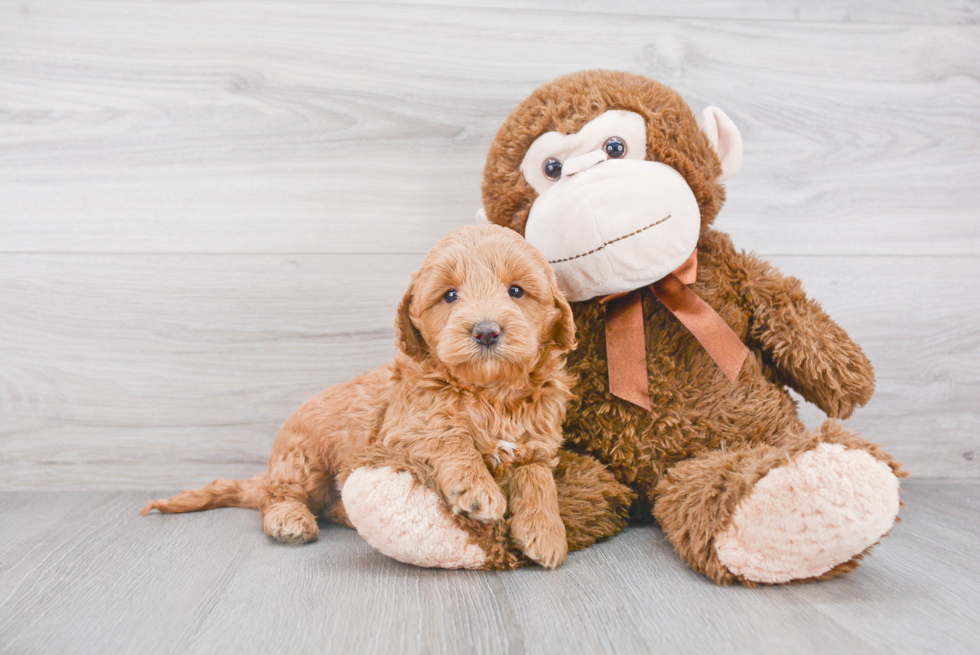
812,354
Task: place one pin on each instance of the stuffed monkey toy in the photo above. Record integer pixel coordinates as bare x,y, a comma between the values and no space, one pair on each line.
687,348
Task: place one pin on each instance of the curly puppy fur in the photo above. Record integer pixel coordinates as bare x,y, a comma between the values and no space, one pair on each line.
483,420
697,454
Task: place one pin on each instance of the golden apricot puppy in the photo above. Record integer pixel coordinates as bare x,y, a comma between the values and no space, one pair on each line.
477,390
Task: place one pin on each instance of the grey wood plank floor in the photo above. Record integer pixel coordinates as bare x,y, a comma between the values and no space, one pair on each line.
80,572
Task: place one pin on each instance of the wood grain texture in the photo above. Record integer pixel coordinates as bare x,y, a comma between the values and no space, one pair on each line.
147,126
835,11
208,210
115,361
109,581
136,371
917,320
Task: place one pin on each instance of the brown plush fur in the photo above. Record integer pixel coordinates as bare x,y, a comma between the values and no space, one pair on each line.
446,402
691,511
696,455
566,105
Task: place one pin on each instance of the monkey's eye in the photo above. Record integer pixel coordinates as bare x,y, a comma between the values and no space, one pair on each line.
552,168
451,296
515,291
615,147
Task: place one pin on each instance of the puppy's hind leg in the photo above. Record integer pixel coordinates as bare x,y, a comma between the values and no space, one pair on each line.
298,486
291,522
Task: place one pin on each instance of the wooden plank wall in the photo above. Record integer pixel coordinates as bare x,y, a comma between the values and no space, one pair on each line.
208,210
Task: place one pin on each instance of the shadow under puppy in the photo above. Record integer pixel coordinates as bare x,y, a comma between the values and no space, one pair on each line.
476,392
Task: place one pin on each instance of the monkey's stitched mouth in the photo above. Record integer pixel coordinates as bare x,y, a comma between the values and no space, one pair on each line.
608,243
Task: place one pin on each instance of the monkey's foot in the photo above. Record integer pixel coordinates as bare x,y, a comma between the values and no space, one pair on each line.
803,519
407,521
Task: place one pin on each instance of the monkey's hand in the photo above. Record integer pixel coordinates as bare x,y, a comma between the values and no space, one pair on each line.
812,354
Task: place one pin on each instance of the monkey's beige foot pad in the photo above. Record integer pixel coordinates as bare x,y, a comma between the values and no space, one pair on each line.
803,519
407,521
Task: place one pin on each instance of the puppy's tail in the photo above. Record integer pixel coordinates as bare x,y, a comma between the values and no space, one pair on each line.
220,493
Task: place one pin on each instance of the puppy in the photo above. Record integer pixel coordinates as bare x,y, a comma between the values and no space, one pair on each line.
477,384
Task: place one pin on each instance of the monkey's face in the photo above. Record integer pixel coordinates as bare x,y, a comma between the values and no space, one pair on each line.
614,179
607,219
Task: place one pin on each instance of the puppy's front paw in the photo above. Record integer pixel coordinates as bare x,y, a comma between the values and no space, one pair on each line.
478,497
542,537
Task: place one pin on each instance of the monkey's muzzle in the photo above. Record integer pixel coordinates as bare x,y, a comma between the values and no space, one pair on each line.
614,225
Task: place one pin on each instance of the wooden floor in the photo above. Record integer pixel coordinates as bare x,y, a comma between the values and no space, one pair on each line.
82,573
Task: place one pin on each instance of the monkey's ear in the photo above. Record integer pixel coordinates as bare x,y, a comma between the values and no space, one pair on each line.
724,138
408,339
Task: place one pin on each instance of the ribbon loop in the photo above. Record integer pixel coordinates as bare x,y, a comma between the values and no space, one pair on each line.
626,352
710,329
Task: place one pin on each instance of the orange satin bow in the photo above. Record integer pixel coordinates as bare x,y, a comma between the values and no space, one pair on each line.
626,351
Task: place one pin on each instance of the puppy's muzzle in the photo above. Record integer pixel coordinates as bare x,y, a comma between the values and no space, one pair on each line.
486,333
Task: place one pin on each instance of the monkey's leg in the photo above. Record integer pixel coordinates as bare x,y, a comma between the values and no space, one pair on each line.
592,503
806,507
393,501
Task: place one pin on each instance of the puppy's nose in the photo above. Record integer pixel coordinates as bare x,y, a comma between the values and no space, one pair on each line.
486,333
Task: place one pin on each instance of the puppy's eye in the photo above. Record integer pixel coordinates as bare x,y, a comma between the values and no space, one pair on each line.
552,168
515,291
615,147
451,296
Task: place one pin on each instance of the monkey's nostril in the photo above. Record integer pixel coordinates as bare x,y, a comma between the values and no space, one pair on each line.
486,333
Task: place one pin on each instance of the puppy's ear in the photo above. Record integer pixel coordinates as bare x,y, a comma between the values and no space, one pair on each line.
408,339
563,334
